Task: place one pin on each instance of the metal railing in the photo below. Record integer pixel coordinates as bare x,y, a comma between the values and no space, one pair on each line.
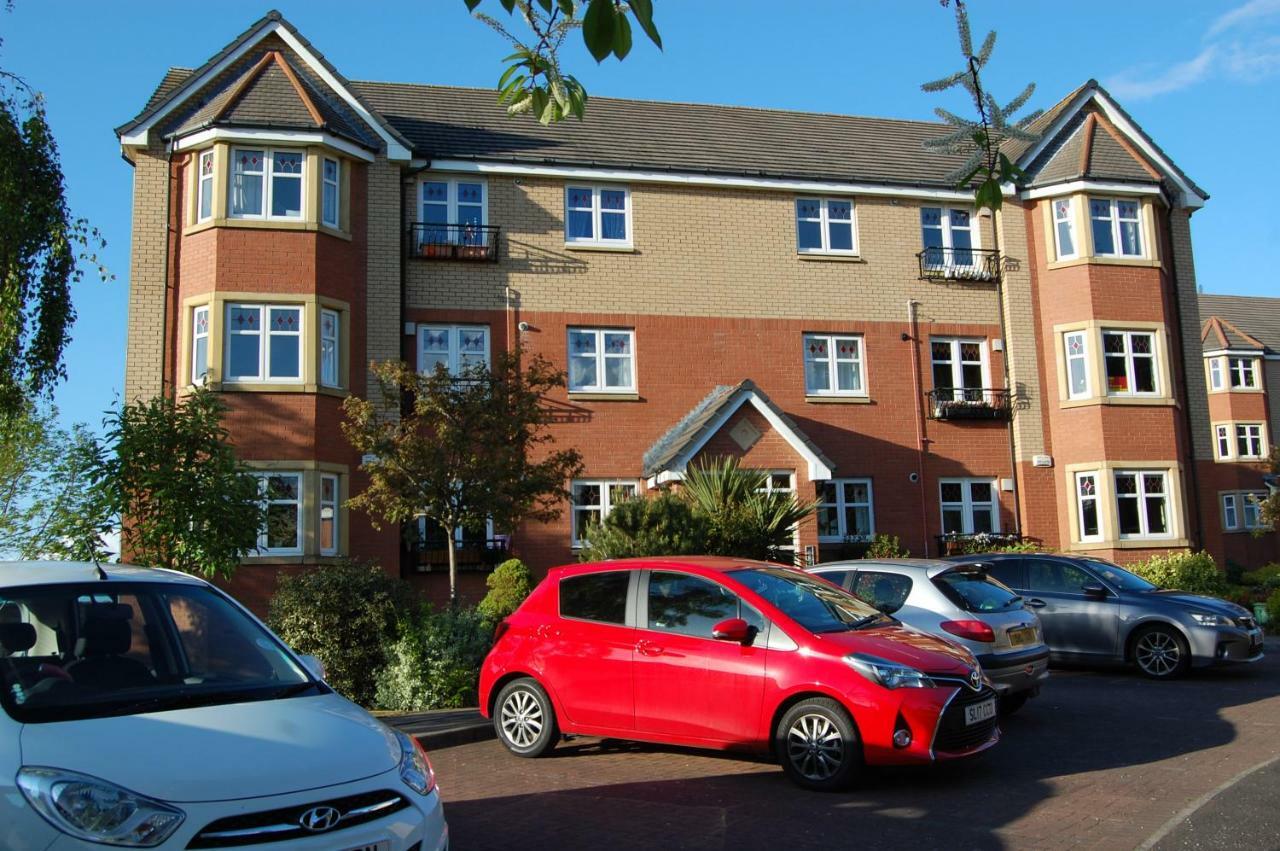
959,264
970,403
453,242
432,554
959,543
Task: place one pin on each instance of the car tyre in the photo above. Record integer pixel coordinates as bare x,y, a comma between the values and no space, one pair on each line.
1011,703
524,719
818,745
1161,653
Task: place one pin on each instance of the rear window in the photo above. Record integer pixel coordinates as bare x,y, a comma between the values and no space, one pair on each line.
886,591
974,591
595,597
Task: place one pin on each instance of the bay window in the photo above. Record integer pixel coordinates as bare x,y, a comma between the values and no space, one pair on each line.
1222,440
1249,440
330,192
281,495
1215,374
328,515
602,360
199,344
1142,503
1243,372
833,365
266,184
1088,520
594,499
845,510
969,506
825,226
263,343
204,189
458,348
1077,348
1116,226
1064,228
330,338
597,215
1130,362
1230,512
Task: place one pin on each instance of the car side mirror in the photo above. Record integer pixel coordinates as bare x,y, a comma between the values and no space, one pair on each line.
313,665
1094,592
732,629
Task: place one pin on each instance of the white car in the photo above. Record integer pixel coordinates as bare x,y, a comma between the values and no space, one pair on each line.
147,709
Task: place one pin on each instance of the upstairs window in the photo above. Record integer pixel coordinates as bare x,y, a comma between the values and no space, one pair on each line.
457,348
263,343
958,369
1216,381
1243,372
597,215
1249,441
204,192
1064,228
825,226
948,237
1076,344
330,190
833,365
602,360
266,184
199,345
1222,440
1130,361
454,211
1117,230
330,373
969,506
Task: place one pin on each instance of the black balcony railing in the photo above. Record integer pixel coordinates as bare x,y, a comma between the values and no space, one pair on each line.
969,403
959,543
453,242
432,554
959,264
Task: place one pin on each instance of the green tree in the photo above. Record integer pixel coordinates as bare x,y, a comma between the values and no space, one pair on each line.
508,586
466,450
665,524
42,247
743,519
534,83
1269,506
171,482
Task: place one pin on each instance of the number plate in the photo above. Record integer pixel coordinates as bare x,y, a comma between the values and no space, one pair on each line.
1022,636
384,845
980,712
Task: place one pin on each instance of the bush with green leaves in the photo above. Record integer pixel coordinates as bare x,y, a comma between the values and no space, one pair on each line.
346,615
1267,576
662,525
1273,611
435,663
1196,573
508,585
886,546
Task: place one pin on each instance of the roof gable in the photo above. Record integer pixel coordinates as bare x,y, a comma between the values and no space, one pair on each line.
1229,316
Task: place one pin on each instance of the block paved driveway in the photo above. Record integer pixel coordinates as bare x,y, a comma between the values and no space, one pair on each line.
1100,760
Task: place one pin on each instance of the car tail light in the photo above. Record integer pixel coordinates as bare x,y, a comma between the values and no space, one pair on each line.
972,630
500,630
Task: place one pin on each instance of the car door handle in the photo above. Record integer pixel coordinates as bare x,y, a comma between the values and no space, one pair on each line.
1036,603
648,648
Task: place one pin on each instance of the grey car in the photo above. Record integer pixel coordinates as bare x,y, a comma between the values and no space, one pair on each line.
1095,612
961,604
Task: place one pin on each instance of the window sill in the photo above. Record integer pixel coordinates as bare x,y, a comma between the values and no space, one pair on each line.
1249,459
1130,544
268,559
266,224
1137,401
263,387
1238,390
1141,262
823,256
603,397
838,400
589,246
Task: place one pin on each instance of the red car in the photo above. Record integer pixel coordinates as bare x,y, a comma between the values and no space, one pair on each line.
731,654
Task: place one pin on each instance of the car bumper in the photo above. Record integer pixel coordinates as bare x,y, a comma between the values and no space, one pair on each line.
1225,646
1011,673
936,720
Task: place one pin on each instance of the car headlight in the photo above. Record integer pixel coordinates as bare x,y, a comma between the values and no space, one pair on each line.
888,674
1210,619
415,768
95,810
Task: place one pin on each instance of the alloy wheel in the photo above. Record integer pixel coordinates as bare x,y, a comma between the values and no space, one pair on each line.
815,747
522,719
1158,653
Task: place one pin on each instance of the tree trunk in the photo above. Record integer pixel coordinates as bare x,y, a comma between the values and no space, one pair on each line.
453,565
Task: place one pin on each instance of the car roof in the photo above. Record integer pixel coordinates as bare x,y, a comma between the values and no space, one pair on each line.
718,564
44,572
928,566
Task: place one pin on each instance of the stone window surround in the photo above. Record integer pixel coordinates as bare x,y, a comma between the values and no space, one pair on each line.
312,192
311,472
1108,513
1239,500
1224,364
1082,231
1234,456
311,306
1097,367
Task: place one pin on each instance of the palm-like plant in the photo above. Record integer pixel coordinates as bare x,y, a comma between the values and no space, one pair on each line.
745,519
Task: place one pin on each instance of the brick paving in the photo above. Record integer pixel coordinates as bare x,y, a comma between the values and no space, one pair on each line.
1100,760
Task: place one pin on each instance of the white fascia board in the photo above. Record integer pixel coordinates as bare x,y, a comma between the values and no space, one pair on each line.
1238,353
1101,186
620,175
287,137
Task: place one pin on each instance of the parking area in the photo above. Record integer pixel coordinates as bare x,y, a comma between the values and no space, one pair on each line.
1099,760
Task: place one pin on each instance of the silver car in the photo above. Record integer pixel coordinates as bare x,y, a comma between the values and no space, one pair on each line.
960,603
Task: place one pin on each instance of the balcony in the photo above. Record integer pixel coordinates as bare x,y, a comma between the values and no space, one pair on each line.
970,403
432,554
978,265
453,242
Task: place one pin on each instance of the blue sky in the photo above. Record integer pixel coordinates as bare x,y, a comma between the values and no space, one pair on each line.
1203,78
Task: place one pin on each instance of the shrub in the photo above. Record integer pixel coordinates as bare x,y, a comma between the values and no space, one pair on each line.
1267,576
435,664
346,615
508,585
1193,572
1273,611
657,526
886,546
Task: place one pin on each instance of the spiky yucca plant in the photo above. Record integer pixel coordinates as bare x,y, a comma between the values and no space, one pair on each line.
745,520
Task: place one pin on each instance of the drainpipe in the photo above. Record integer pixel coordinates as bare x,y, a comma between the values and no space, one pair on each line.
1004,336
169,316
914,337
1193,492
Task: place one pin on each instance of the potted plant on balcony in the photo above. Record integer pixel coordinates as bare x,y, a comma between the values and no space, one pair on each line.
473,244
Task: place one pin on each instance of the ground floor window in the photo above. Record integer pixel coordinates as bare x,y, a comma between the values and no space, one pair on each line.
844,510
1240,511
969,506
302,513
281,532
1090,524
593,499
1142,503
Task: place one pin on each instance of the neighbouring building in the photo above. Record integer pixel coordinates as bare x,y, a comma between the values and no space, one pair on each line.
805,291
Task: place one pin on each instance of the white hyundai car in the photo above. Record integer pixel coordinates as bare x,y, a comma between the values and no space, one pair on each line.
147,709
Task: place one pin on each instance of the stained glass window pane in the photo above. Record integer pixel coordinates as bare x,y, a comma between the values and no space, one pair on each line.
980,491
839,211
1126,484
617,344
285,319
582,342
855,492
931,217
613,199
952,492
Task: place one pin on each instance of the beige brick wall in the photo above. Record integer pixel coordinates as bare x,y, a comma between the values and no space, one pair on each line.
1021,350
148,257
699,251
383,281
1192,352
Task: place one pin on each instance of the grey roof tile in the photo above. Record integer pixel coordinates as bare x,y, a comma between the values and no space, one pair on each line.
1256,316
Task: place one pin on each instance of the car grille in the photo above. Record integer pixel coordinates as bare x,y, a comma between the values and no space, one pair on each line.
285,824
1246,623
953,735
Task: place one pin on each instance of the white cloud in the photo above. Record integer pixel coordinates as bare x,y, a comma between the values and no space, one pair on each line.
1250,11
1137,85
1250,63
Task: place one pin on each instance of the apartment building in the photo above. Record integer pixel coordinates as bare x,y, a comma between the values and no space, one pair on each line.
806,292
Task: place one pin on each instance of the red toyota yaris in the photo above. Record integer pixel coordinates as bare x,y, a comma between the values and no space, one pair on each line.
728,654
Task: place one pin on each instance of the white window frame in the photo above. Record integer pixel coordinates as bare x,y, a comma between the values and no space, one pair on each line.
268,181
824,221
334,506
454,333
198,377
948,238
966,503
833,361
1223,442
1217,380
601,356
1082,359
1095,498
1114,220
1252,434
604,508
204,185
1129,356
453,220
265,340
957,364
1141,496
1069,219
298,503
334,380
841,505
1250,511
336,185
1230,512
1240,367
595,209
